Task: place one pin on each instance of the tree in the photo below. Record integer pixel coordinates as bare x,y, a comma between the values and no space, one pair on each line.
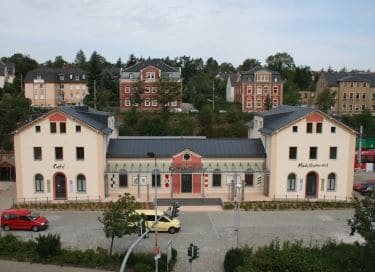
168,91
22,63
94,69
302,77
80,60
364,213
291,94
120,218
268,103
131,61
248,64
227,68
325,100
282,63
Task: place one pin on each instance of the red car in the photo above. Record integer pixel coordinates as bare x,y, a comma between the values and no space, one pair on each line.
22,219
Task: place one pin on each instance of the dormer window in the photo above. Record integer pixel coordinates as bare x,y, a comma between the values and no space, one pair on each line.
131,75
150,75
275,79
71,76
38,76
62,77
77,77
83,76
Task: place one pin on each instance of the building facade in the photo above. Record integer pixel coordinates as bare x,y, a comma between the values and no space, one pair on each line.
291,152
150,85
7,73
354,91
51,87
62,155
253,88
309,154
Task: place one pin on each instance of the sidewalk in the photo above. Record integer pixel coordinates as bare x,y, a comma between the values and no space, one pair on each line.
12,266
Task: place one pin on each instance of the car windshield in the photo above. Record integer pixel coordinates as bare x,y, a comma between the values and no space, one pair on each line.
34,216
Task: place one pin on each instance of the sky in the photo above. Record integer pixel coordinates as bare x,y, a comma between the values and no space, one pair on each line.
316,33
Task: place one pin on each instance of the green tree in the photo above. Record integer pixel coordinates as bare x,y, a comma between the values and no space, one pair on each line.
131,61
291,94
94,71
80,59
248,64
325,100
22,63
168,91
227,68
282,63
268,102
364,213
119,218
302,77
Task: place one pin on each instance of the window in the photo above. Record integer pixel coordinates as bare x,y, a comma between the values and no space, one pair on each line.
147,102
249,89
77,77
150,75
52,127
127,89
344,96
187,157
39,183
351,95
331,186
58,153
154,102
313,153
216,178
295,128
131,75
363,107
249,103
37,153
275,103
157,178
292,153
265,89
364,96
291,186
333,152
37,129
249,179
80,153
154,89
174,103
333,129
123,178
147,89
81,183
319,127
78,128
259,90
62,127
275,89
127,102
309,127
357,95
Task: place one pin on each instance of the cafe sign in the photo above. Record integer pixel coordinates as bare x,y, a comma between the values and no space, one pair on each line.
312,165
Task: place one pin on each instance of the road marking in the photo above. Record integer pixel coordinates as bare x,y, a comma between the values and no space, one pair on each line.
213,226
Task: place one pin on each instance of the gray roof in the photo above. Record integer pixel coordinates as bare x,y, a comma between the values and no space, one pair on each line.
248,76
333,78
53,75
154,62
95,119
282,116
167,147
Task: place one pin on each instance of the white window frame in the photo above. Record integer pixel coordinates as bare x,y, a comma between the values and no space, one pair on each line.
154,102
127,89
150,75
147,103
127,102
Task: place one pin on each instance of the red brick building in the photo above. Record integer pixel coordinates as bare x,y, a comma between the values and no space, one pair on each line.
251,89
141,86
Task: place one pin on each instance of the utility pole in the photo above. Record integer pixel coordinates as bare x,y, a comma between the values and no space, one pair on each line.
94,94
359,155
213,95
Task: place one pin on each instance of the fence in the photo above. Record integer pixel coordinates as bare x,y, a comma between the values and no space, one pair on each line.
46,200
297,198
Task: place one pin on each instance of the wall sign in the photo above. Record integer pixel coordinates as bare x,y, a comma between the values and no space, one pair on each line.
312,165
58,166
71,186
142,180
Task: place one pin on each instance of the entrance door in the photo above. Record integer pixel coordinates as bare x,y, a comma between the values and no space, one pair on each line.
60,186
186,183
311,184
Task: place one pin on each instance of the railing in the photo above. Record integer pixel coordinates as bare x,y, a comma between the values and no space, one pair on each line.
46,200
296,198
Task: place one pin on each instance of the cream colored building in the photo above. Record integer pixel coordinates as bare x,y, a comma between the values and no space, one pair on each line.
62,155
47,87
309,154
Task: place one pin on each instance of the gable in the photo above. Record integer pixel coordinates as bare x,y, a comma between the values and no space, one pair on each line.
314,117
57,117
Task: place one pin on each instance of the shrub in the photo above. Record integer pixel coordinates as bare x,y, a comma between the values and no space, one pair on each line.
48,245
233,259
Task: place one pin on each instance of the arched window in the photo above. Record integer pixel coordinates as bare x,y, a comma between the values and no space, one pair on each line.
331,186
216,178
81,183
291,186
249,178
123,178
39,183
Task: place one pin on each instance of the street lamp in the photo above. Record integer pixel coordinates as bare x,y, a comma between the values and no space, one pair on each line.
153,155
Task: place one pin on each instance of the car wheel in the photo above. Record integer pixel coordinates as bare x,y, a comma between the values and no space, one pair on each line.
172,230
6,228
35,229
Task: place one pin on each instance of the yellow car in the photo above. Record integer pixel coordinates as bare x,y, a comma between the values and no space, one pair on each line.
165,223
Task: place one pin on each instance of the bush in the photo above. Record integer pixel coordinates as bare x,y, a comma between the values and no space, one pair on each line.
48,245
233,258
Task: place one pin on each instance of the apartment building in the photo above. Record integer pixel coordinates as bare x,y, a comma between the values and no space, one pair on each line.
144,86
7,73
253,88
354,91
51,87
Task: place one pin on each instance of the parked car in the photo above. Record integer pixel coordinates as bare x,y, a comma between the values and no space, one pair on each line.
22,219
165,223
368,188
175,110
194,111
357,187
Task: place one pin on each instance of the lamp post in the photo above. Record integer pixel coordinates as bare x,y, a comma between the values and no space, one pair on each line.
153,155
